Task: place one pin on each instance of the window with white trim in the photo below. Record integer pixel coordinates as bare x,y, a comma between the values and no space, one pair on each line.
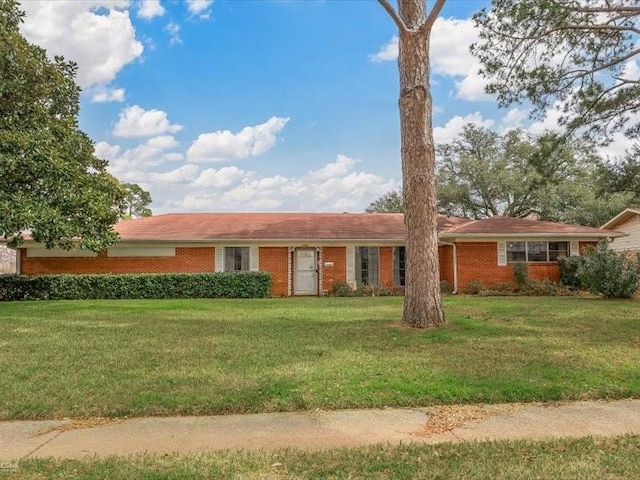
367,265
236,259
399,258
538,251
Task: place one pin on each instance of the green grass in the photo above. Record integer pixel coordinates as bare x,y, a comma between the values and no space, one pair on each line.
585,458
186,357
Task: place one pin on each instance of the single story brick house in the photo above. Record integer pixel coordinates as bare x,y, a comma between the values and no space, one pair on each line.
307,252
627,221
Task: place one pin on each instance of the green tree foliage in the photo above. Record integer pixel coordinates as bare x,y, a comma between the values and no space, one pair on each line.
136,201
610,274
622,176
571,54
51,183
482,173
390,202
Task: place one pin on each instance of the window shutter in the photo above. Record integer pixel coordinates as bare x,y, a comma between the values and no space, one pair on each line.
351,266
502,254
574,249
219,259
254,261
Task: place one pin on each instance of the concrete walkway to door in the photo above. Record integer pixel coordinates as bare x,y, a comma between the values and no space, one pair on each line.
315,430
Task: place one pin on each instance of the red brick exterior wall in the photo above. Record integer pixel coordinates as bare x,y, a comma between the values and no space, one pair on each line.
445,253
479,261
186,260
275,260
476,261
337,273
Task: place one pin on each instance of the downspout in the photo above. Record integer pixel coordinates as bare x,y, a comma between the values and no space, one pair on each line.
455,266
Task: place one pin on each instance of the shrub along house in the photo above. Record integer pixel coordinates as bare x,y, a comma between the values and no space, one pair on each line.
306,253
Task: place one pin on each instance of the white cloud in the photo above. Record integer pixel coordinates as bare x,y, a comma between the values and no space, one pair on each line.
173,156
97,34
163,142
103,95
449,54
150,8
448,57
179,175
472,86
450,41
224,145
134,164
631,71
224,177
336,186
137,122
513,119
173,29
199,8
455,125
550,122
341,167
388,51
106,151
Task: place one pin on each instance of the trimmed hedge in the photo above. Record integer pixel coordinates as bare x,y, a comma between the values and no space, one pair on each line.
172,285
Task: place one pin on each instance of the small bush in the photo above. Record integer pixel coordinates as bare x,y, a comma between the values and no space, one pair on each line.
474,287
502,288
610,274
569,267
540,288
341,289
172,285
521,274
445,287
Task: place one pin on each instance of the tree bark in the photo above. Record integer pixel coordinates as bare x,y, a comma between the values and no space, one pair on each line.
422,303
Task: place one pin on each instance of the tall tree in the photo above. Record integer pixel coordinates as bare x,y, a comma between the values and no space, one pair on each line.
578,56
136,201
482,173
623,176
51,183
422,302
390,202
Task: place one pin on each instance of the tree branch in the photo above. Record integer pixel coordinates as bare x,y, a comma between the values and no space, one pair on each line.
626,10
402,28
425,28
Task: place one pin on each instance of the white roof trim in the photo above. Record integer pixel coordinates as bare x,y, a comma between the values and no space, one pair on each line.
627,212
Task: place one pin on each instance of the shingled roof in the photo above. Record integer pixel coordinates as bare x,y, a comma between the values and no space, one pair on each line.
271,226
508,226
194,227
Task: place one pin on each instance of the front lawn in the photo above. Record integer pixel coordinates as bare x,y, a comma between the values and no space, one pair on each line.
579,459
187,357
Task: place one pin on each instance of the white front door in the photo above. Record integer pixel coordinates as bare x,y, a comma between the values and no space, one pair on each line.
306,272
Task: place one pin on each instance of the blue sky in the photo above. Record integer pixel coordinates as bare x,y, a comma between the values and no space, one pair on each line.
240,105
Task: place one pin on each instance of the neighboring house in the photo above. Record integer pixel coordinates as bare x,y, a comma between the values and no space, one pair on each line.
627,221
307,252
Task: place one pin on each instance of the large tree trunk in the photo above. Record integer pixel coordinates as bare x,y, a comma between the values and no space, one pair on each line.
422,303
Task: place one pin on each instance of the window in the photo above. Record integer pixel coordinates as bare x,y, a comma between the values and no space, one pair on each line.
557,250
399,257
536,251
367,265
236,259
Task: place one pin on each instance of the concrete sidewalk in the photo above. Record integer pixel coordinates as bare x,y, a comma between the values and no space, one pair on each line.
315,430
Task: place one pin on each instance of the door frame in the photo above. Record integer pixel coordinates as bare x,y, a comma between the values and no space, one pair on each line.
295,271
